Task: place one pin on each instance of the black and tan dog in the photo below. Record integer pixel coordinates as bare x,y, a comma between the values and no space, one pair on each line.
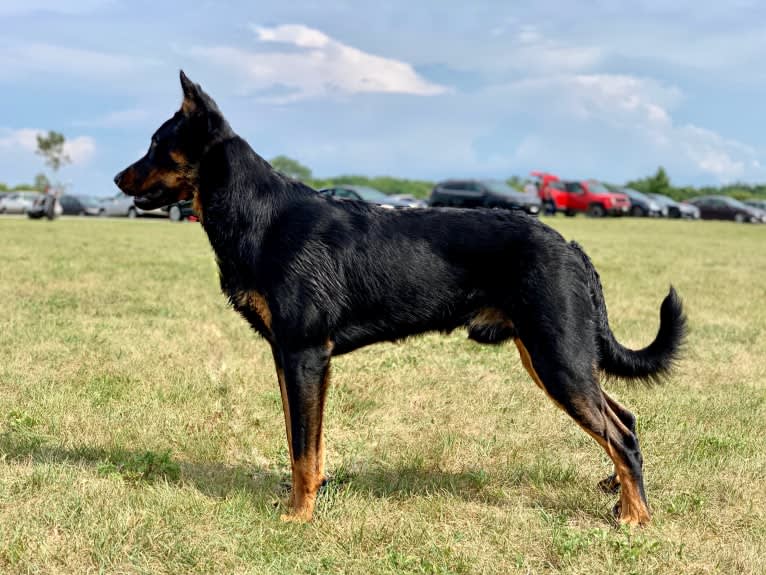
319,277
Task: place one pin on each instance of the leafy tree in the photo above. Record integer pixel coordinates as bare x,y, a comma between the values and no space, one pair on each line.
51,147
659,183
291,167
4,187
41,182
516,182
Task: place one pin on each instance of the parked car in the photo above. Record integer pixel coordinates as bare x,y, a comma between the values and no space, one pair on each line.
641,205
758,204
17,202
122,205
412,201
180,211
725,208
79,205
482,194
364,194
673,209
589,197
37,210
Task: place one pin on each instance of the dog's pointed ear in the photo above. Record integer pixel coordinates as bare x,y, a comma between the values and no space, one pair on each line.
192,96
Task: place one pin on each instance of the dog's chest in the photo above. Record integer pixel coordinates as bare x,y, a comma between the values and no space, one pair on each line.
254,307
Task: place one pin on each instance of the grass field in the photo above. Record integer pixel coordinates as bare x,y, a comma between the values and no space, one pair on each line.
141,427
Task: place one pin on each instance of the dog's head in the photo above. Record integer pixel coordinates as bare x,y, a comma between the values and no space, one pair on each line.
168,172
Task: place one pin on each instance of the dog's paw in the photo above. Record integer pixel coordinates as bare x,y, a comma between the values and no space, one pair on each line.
610,484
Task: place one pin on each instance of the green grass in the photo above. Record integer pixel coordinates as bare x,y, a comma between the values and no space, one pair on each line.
141,427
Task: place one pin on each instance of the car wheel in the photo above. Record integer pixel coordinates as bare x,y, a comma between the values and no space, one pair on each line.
739,218
175,214
596,211
132,213
637,211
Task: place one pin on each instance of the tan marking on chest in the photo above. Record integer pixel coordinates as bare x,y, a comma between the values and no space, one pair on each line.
197,205
255,302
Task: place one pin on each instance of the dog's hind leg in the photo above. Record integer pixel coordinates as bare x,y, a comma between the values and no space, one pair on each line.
572,384
611,484
304,384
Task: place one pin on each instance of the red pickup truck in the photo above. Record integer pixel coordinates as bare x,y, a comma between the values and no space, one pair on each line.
579,196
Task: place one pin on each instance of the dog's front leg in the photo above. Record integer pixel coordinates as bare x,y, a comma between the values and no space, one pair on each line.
303,378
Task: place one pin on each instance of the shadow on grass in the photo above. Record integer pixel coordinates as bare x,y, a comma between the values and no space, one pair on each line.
544,488
211,478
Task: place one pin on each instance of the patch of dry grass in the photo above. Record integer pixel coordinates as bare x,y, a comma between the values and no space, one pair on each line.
141,427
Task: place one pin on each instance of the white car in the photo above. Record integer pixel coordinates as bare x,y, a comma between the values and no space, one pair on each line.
122,205
17,202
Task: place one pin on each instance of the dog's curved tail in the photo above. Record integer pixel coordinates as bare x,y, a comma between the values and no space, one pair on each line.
651,362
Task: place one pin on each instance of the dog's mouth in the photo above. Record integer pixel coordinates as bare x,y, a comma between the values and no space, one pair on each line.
154,199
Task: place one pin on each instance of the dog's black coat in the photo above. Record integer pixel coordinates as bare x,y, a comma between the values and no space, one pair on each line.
329,276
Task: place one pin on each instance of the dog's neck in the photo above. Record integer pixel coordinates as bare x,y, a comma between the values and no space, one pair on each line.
239,192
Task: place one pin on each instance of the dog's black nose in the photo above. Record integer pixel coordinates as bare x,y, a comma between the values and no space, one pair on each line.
118,177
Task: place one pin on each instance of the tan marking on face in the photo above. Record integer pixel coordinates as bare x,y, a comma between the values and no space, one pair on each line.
178,157
183,183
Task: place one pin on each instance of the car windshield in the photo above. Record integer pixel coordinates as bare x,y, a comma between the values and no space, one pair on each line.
635,194
370,194
735,203
662,198
597,187
88,201
500,187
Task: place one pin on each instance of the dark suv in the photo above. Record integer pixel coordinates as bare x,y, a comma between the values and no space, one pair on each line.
482,194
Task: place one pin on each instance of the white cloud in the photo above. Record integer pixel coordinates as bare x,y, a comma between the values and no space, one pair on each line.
80,149
634,112
315,65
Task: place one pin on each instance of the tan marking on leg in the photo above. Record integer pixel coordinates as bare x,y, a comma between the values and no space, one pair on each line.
633,510
320,438
286,411
306,483
526,361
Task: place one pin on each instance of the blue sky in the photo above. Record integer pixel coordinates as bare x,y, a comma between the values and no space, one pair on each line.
605,88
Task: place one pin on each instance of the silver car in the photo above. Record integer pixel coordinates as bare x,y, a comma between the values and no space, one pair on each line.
17,202
122,205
